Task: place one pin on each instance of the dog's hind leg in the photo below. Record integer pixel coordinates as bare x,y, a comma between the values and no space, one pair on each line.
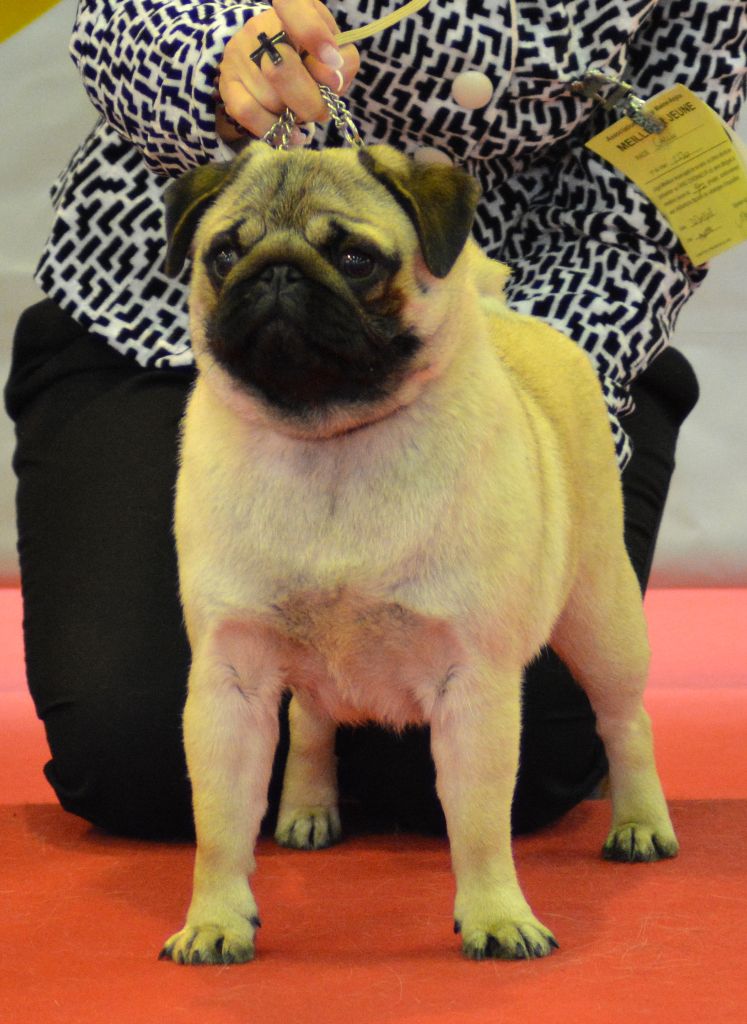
475,746
602,637
308,818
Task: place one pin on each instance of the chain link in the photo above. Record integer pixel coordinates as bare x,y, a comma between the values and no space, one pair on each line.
279,135
341,118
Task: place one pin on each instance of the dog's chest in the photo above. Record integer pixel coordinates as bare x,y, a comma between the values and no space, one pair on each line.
364,659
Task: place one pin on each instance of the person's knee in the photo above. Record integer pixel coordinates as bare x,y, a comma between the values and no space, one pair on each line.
562,758
671,381
120,768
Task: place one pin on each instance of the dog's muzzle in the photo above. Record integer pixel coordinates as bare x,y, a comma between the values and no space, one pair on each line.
301,345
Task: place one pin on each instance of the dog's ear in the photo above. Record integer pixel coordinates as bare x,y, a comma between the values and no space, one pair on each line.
440,200
186,200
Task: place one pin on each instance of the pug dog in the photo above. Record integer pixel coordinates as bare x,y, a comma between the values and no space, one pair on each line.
392,493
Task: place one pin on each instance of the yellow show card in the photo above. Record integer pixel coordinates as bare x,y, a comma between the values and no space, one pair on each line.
694,171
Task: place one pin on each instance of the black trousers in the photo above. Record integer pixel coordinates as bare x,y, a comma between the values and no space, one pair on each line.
106,653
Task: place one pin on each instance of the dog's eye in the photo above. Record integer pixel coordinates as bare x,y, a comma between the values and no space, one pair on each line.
356,264
221,258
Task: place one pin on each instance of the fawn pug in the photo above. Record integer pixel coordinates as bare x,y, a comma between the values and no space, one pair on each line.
392,493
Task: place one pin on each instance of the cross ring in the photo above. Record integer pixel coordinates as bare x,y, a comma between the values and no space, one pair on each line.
268,46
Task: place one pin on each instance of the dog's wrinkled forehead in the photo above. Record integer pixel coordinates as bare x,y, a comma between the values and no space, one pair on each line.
306,194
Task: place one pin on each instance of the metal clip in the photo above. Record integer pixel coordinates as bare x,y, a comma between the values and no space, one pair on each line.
595,84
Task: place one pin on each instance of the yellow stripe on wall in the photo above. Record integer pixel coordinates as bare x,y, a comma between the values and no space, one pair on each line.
16,14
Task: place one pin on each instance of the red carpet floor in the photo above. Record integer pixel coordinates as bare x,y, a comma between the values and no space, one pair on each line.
362,932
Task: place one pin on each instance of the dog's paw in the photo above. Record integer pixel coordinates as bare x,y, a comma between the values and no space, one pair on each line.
508,940
309,828
211,944
633,843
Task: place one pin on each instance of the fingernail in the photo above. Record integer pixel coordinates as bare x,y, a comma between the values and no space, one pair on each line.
331,56
340,80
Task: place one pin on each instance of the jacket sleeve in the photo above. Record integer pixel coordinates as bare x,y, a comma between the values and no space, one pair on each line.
148,66
590,253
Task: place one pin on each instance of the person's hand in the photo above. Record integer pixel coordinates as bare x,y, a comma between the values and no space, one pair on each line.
255,96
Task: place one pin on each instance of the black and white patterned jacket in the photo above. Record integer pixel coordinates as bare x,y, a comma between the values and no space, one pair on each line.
589,253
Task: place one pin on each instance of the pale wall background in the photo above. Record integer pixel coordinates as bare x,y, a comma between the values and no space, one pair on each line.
704,536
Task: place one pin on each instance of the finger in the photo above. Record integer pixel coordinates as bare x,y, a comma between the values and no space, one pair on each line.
294,86
247,110
227,129
251,89
320,72
280,77
312,28
248,89
327,15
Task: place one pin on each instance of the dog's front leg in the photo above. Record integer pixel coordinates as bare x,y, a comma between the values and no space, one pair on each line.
475,744
308,818
230,734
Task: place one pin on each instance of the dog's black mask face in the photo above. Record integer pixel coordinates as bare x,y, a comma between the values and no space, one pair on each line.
304,345
303,293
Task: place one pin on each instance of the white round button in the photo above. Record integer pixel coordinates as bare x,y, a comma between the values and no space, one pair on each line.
431,155
472,90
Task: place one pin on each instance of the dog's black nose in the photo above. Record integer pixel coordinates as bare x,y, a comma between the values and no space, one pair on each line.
277,276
